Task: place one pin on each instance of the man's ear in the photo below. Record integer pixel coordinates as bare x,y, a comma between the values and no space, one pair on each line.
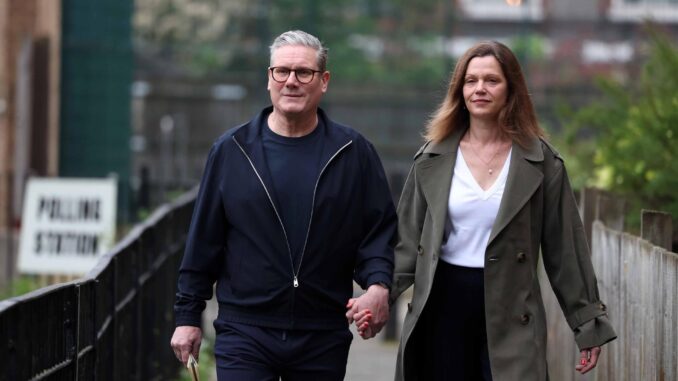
325,79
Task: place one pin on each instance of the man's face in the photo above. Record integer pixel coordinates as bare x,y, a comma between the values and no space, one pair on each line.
292,97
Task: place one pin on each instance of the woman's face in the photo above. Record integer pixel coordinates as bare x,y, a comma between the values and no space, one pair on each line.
485,88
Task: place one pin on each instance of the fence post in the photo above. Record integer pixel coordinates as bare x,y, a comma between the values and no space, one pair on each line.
610,210
657,227
587,209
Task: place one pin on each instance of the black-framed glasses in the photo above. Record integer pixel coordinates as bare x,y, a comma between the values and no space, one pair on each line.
303,75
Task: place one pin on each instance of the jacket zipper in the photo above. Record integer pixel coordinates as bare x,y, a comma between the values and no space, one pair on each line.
310,219
295,273
295,282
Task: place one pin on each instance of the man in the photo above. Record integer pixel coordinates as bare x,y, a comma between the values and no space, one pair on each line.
292,207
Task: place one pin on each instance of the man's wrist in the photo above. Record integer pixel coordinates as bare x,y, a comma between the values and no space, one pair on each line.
381,285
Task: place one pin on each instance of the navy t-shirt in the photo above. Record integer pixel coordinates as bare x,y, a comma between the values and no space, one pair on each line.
294,165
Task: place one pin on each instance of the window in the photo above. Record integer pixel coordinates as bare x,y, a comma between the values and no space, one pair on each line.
639,10
518,10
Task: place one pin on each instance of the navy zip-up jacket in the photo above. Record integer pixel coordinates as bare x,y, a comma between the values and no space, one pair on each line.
237,238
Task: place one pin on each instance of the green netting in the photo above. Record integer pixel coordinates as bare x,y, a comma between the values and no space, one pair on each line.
96,74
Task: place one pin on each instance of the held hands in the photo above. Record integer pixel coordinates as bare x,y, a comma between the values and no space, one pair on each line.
186,339
588,360
362,322
369,311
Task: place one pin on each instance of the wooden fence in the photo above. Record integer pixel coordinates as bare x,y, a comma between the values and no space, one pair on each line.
113,324
637,278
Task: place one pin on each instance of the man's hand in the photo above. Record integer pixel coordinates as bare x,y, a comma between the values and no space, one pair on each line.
186,339
375,300
588,360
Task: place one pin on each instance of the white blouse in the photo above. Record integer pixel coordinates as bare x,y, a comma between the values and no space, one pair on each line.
471,212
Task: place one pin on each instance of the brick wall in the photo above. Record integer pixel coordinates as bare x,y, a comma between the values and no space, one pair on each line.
5,135
20,20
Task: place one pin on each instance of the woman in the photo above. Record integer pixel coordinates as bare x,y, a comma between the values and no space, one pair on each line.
484,194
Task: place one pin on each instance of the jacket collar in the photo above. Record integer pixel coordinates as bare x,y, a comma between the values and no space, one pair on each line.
250,134
447,145
249,138
532,152
436,169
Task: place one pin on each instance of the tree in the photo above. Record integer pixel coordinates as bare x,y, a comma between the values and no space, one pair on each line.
635,133
371,41
200,35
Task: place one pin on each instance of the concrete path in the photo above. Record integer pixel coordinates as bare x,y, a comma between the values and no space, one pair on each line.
371,360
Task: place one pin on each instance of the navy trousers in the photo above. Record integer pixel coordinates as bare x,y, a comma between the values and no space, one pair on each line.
250,353
450,339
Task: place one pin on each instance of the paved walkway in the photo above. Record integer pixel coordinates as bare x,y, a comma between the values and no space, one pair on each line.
371,360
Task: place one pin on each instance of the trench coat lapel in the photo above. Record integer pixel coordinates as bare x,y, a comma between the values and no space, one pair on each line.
523,180
436,178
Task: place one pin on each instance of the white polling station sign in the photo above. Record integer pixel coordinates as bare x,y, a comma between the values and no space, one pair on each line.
67,224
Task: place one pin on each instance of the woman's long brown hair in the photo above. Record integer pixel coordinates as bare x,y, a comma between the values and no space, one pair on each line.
517,119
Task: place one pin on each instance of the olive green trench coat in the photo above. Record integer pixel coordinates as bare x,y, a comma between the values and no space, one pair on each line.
537,210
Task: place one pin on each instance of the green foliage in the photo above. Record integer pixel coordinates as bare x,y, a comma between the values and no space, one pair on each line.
383,42
634,150
376,41
20,286
529,47
199,36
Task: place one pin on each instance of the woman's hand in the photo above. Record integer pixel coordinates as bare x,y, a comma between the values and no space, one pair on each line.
362,322
588,360
375,301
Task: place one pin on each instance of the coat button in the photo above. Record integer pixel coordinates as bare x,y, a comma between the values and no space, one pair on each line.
409,307
521,257
420,250
524,319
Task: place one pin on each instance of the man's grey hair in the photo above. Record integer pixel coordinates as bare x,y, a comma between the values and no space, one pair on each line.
301,38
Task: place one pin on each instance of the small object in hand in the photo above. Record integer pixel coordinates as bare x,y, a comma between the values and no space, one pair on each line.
583,361
192,365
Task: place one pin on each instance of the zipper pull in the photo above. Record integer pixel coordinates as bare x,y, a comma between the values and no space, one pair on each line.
296,282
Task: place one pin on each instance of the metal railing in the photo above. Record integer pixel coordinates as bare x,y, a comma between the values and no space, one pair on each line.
113,324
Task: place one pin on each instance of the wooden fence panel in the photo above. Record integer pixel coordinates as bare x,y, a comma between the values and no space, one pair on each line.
639,282
648,310
631,310
561,350
657,228
610,210
668,369
607,269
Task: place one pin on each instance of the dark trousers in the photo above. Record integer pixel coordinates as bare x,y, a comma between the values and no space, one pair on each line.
450,340
250,353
